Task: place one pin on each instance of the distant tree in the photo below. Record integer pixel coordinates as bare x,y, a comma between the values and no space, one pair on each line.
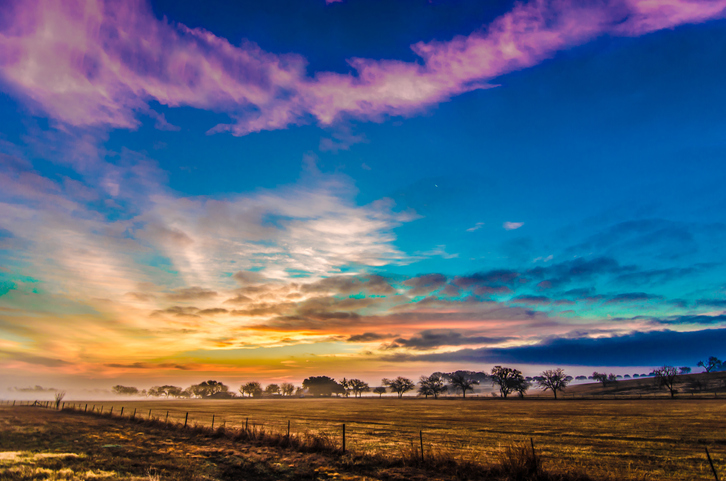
713,364
423,387
380,390
554,380
684,370
322,386
636,375
508,379
124,390
166,390
300,391
432,385
666,376
287,389
346,387
581,378
208,389
461,383
358,387
273,389
252,389
626,376
59,395
400,385
605,379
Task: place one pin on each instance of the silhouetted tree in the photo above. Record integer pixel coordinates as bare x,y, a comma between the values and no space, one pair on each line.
208,389
346,387
713,364
287,389
358,387
400,385
272,389
462,383
380,390
666,376
684,370
554,380
508,379
252,389
124,390
605,379
432,385
166,390
322,386
59,395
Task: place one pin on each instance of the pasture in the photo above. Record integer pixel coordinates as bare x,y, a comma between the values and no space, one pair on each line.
615,439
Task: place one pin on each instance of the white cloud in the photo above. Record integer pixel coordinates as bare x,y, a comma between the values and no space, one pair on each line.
476,227
512,225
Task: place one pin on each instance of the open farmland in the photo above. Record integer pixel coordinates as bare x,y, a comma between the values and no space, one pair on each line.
617,439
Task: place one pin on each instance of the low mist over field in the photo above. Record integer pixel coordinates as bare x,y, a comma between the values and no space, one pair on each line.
277,191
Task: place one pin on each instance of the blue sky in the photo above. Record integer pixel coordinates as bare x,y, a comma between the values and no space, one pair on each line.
283,189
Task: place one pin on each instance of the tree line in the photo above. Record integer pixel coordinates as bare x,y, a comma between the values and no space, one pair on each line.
507,380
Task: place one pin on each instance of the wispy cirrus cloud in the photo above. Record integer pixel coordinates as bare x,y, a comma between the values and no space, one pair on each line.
120,57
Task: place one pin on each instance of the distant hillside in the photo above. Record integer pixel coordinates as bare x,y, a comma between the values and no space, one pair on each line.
701,384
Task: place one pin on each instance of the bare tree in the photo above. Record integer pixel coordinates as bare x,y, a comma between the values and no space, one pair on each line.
400,385
666,376
287,389
713,364
462,383
554,380
59,395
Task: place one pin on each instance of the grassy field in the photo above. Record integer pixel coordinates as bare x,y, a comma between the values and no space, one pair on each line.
616,439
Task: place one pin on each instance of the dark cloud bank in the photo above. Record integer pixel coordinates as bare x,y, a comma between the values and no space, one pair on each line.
637,349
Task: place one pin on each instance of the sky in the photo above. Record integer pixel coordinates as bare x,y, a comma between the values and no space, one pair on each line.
363,188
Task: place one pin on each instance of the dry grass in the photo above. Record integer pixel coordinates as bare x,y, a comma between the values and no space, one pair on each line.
73,445
623,439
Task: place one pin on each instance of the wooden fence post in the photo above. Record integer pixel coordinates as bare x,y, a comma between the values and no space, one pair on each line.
122,412
288,429
167,417
133,416
420,435
247,420
186,418
715,475
85,410
149,413
212,422
111,413
343,438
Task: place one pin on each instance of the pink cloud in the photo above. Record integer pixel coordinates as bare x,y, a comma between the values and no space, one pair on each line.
91,62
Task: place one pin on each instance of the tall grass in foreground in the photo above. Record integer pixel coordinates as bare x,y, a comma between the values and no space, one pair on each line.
516,462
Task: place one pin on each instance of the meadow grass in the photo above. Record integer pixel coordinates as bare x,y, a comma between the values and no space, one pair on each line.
616,439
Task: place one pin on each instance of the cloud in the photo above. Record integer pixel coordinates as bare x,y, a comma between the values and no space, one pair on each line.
425,284
654,348
632,297
369,337
371,284
435,338
512,225
121,57
191,294
476,227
